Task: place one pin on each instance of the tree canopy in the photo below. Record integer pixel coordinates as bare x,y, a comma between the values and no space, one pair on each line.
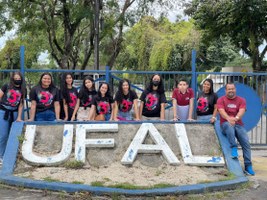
244,21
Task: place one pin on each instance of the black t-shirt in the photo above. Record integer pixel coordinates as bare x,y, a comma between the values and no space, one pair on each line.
103,104
12,96
44,97
86,98
127,101
205,103
152,103
70,97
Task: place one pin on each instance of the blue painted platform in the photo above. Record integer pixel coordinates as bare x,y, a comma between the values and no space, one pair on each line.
7,177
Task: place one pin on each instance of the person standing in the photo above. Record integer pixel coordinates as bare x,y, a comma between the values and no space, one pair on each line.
45,100
153,100
125,100
232,108
12,96
183,101
206,102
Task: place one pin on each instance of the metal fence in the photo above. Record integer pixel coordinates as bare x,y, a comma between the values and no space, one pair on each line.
139,80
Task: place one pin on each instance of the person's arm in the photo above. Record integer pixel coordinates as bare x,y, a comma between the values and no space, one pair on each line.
174,106
112,112
65,107
141,109
136,110
115,111
92,113
224,115
240,114
33,110
1,94
57,110
214,114
75,109
191,107
20,111
162,111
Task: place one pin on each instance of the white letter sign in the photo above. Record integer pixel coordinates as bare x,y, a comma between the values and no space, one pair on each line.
137,145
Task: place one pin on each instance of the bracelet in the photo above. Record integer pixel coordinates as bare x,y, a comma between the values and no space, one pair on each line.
237,117
214,117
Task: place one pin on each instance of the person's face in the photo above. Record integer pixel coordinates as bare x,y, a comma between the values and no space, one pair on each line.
17,77
88,84
206,86
182,85
125,87
103,89
156,81
230,91
46,81
69,80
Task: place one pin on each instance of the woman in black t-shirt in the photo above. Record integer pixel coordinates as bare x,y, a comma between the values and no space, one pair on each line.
206,102
11,105
45,100
85,96
125,99
153,100
69,96
102,104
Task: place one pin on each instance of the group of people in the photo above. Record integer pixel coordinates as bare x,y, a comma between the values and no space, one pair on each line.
48,103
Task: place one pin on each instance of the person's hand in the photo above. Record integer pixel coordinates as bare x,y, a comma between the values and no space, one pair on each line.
66,119
116,119
137,119
231,120
30,120
190,119
213,120
19,120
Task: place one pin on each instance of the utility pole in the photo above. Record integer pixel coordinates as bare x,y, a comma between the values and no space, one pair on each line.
96,44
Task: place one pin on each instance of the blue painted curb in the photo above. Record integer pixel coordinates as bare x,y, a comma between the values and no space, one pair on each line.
7,177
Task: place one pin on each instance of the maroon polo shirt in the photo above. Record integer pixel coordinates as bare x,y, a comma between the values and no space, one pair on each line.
183,99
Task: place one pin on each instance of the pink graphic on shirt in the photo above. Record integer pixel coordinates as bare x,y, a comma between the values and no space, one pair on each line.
13,97
73,100
151,101
126,105
45,97
103,107
88,101
202,105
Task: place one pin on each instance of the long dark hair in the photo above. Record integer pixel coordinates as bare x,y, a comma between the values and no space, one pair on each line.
84,90
52,83
64,86
211,85
108,93
23,85
160,88
120,89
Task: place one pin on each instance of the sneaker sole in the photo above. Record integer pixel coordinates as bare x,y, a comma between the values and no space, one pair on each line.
246,172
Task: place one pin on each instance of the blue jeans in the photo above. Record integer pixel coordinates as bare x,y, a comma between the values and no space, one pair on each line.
4,131
240,133
204,117
125,116
47,115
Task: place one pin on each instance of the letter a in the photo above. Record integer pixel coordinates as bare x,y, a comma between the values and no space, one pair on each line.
137,145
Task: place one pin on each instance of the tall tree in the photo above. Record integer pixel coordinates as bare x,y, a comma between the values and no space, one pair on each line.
244,21
69,25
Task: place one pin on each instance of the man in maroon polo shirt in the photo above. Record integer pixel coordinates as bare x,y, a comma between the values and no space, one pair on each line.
232,108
